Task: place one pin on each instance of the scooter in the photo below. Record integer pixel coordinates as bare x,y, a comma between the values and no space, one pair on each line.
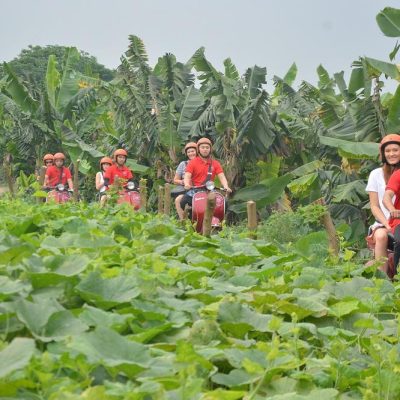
59,194
199,204
130,195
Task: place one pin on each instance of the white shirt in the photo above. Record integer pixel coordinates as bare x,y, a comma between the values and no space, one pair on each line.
376,183
103,188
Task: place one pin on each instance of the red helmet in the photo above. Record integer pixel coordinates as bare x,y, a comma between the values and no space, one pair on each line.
190,145
204,140
106,160
392,138
59,156
48,157
120,152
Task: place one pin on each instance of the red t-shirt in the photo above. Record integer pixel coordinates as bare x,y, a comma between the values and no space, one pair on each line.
57,175
394,185
122,172
198,167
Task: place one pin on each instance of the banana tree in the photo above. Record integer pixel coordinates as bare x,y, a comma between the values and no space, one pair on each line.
61,116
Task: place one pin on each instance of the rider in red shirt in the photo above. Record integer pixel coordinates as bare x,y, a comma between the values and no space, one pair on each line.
118,169
57,173
201,169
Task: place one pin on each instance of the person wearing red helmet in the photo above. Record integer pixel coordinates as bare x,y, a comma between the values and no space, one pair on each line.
118,169
105,163
48,160
58,173
190,151
202,169
385,209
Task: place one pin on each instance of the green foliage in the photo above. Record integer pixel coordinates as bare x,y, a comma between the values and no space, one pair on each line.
104,303
31,64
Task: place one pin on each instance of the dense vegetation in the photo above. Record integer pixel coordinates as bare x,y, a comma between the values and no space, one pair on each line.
289,147
112,304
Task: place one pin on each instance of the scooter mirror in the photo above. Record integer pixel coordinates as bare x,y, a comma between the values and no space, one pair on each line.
130,186
210,185
60,187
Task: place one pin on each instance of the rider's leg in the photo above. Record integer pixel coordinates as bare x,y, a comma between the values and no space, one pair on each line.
381,243
179,209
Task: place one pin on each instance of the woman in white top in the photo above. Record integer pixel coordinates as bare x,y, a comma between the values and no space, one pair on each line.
191,152
105,163
378,178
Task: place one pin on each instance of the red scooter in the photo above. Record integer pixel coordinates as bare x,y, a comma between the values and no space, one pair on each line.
58,194
130,195
199,203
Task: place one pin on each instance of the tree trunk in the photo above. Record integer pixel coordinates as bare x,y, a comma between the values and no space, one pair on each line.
326,220
252,219
76,180
167,199
161,199
143,194
7,164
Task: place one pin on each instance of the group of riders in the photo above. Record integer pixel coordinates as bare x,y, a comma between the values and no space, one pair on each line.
199,168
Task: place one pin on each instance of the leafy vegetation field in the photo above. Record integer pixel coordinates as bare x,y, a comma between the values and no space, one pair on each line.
108,304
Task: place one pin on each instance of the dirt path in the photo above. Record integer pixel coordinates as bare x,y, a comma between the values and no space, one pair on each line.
3,189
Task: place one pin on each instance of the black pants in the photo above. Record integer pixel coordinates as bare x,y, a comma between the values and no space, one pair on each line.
186,199
396,246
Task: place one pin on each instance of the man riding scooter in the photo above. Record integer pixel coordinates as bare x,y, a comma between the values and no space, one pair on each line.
200,170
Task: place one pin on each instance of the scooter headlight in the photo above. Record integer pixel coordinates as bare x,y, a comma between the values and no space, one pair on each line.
210,185
60,187
130,186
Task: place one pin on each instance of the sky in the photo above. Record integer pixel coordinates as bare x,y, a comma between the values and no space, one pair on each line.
267,33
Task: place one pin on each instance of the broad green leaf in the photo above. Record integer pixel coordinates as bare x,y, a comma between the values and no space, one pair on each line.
9,287
301,186
393,120
383,67
52,80
351,150
107,347
266,192
236,313
193,99
69,82
314,245
308,168
108,292
352,192
316,394
18,92
16,355
290,75
255,77
231,70
221,394
235,378
76,240
137,168
62,324
389,21
342,308
36,314
93,316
